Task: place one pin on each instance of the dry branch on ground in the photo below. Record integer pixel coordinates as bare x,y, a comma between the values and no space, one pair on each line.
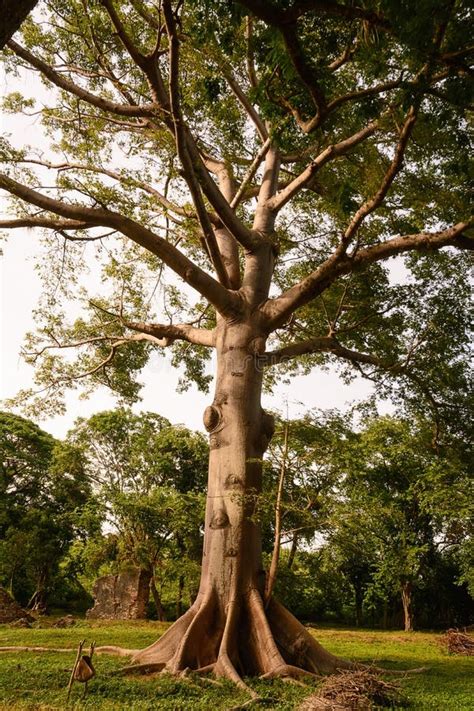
359,690
457,642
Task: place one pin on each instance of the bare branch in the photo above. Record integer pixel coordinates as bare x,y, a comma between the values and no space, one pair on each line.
48,222
345,57
227,244
249,109
324,344
304,69
146,62
249,239
164,201
174,332
210,242
265,215
194,168
250,59
395,166
362,93
254,166
274,16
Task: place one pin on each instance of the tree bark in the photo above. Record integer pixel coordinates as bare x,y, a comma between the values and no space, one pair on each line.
358,599
160,612
407,603
227,629
293,549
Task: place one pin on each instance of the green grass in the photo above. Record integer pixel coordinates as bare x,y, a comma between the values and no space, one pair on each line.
38,681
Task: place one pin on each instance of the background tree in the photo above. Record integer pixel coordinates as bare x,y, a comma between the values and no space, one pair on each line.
299,460
44,488
388,510
275,156
148,476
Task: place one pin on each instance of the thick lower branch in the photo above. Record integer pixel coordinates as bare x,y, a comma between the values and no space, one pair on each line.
175,332
225,301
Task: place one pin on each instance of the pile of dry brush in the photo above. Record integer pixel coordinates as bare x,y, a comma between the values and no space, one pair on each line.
360,690
457,642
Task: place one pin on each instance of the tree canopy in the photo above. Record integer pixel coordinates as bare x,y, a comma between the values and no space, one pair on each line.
339,130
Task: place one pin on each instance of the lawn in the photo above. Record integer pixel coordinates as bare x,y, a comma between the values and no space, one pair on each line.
38,681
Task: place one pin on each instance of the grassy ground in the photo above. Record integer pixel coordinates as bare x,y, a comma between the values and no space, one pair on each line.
38,681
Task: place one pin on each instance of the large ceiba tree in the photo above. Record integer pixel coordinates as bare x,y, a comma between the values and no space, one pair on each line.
272,156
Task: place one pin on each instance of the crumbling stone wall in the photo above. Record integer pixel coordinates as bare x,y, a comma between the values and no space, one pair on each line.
121,597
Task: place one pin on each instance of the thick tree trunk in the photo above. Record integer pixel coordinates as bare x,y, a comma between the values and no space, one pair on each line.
407,603
227,629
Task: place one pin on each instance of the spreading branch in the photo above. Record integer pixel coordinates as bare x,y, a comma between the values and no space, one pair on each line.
325,344
330,153
395,166
210,241
245,102
174,332
249,175
145,110
48,223
273,16
218,295
167,204
278,310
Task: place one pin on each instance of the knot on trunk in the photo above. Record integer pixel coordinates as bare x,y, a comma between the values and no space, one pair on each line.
219,519
212,418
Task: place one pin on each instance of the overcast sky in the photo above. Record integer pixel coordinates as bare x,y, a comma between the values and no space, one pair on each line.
20,290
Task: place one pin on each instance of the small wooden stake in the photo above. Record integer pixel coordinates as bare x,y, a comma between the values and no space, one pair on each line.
71,678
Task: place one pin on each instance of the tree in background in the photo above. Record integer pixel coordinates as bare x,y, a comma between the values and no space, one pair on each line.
301,479
376,502
265,159
148,476
389,520
43,490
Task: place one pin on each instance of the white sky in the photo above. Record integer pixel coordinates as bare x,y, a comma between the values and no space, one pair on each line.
20,290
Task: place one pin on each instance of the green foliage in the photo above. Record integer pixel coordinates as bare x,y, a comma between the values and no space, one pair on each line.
44,491
149,478
391,515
